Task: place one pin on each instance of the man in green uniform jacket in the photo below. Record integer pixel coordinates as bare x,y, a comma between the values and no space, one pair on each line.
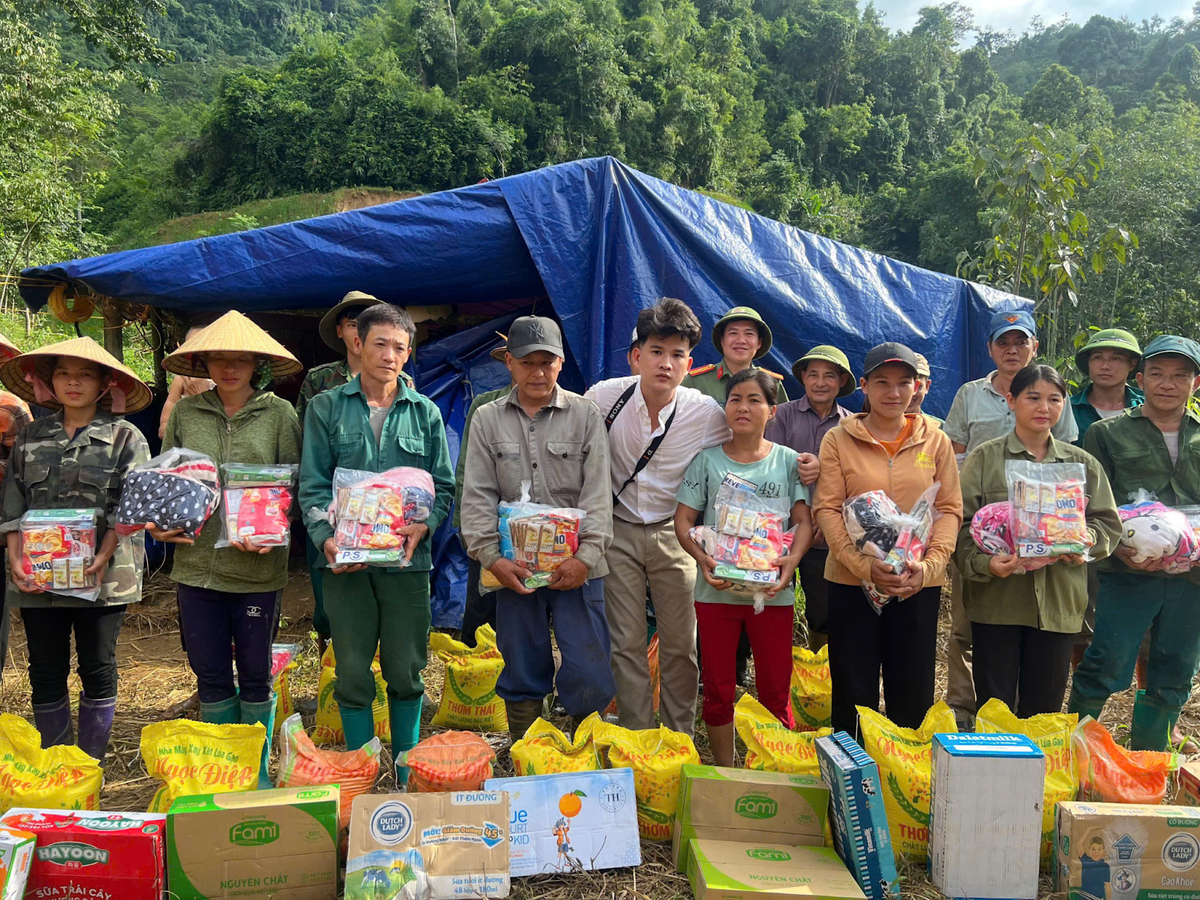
375,423
741,336
1156,447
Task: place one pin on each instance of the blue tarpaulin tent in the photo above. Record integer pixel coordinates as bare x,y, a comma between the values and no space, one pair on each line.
591,242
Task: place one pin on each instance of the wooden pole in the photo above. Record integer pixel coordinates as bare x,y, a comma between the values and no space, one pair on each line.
114,333
158,329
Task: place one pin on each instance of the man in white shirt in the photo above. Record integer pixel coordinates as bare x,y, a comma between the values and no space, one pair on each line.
655,428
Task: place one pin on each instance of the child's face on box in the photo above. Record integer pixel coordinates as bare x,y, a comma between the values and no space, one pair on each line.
1096,850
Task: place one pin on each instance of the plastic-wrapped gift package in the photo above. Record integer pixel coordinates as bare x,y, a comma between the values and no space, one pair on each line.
1155,531
177,490
1048,501
537,536
370,508
57,546
255,500
878,528
993,530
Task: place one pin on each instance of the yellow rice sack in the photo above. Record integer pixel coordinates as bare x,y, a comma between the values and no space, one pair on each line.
1051,732
770,745
656,756
547,751
469,698
61,777
327,730
191,757
905,760
812,689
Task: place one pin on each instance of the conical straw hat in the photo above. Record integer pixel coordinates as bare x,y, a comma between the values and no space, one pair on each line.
232,333
8,349
29,376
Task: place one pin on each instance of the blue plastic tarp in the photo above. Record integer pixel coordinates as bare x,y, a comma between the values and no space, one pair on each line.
599,240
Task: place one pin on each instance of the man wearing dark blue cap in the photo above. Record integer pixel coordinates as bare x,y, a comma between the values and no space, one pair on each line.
1155,447
980,412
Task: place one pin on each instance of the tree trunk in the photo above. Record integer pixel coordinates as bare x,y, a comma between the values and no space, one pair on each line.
114,334
160,340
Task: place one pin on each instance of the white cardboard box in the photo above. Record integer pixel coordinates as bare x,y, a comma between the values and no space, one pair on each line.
985,827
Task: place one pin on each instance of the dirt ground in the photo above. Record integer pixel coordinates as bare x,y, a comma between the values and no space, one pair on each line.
154,676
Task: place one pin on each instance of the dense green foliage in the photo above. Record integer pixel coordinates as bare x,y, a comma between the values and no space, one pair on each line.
811,111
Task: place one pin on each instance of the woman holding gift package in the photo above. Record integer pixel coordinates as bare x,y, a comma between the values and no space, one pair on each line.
1025,613
231,595
75,459
903,456
768,472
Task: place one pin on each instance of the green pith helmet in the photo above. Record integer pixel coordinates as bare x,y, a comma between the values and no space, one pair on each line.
1108,339
743,313
829,354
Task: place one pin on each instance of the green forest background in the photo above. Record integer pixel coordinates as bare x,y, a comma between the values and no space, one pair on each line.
1063,163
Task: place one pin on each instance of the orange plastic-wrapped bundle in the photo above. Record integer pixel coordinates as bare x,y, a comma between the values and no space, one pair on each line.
1108,773
301,762
450,761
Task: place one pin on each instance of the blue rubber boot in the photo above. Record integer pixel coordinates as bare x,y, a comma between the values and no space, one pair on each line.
405,719
262,713
53,721
95,725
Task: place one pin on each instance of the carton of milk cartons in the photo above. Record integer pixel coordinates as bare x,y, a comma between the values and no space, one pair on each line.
16,854
859,821
985,826
571,822
90,853
452,844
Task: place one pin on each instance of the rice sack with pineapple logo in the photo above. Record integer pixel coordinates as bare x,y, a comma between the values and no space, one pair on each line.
469,700
547,751
905,760
770,745
656,756
812,689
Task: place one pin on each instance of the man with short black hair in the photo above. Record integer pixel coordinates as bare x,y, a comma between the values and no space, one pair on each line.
655,428
376,422
553,441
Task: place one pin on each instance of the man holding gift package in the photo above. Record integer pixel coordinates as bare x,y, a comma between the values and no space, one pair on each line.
1155,446
554,441
373,423
654,429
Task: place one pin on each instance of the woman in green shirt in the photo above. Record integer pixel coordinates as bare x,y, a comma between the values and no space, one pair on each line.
1025,613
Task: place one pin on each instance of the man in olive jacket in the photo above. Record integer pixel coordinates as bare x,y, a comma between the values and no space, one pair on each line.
375,423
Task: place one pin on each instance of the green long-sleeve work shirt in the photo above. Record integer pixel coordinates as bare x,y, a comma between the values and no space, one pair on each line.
1052,598
337,434
1133,453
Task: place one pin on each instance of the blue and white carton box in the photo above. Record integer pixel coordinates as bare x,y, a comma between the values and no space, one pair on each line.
985,825
859,821
571,822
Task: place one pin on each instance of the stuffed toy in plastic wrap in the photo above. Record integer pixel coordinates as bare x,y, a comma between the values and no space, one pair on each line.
878,528
992,529
1155,531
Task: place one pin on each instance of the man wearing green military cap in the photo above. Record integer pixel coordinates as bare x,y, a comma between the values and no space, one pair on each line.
741,336
1155,447
1108,360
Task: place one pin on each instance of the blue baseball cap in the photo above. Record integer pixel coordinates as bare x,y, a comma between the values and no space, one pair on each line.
1011,320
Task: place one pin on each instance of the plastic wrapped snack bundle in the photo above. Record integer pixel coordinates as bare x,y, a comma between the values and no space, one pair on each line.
1049,502
255,500
369,509
1155,531
57,546
539,537
992,529
878,528
177,490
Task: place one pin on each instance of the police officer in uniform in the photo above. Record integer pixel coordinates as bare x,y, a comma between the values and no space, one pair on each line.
741,336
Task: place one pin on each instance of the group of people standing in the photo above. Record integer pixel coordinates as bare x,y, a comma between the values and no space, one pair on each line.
644,457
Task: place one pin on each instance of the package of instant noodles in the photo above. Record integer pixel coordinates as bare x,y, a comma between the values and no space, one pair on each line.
539,537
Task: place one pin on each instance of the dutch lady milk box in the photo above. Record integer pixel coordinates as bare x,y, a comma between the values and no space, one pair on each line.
571,822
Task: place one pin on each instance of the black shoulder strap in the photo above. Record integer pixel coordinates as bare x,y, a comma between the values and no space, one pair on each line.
651,449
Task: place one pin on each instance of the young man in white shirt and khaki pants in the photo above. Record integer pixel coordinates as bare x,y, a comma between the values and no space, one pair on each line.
655,428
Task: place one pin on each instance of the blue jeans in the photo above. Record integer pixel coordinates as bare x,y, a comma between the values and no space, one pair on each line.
219,626
585,680
1126,606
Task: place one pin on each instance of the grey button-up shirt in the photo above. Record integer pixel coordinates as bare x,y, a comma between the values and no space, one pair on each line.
562,452
980,413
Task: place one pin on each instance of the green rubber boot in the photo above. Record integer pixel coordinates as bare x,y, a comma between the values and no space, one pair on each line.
262,713
1077,704
226,712
358,725
405,719
1152,723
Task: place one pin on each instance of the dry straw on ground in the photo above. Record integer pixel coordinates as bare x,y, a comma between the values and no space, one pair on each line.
155,677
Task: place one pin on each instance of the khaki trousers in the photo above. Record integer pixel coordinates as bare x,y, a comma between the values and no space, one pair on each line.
641,553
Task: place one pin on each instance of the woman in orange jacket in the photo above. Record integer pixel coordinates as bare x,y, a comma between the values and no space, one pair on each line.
902,455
